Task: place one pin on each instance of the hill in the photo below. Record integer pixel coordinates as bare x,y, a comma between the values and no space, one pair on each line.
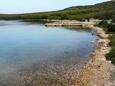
105,10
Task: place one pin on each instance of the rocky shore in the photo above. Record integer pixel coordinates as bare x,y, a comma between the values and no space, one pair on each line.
63,23
98,71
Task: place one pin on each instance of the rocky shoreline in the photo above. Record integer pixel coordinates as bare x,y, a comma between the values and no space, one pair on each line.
98,71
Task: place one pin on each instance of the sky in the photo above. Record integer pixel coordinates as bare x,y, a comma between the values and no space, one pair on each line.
27,6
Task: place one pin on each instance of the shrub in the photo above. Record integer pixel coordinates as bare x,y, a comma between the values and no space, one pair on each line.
104,25
111,28
111,55
112,38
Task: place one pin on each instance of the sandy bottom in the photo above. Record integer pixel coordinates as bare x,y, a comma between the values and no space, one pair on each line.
61,73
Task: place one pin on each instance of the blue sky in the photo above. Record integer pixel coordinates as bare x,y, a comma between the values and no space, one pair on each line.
21,6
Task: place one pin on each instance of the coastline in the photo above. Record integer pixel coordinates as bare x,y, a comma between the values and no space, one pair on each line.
98,71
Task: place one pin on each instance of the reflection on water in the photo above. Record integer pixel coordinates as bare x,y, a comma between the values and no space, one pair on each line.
32,54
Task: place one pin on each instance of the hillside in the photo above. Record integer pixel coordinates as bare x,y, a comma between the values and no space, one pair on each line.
105,10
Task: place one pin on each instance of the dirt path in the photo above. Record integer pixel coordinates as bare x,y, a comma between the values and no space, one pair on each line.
98,71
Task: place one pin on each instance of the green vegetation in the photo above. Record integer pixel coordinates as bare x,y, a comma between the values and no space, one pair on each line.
104,25
111,54
110,29
105,10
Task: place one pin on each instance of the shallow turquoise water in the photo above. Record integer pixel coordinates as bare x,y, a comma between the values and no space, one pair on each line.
24,44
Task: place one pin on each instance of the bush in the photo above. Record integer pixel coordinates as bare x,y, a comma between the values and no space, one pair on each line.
111,28
111,55
104,25
107,27
112,38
